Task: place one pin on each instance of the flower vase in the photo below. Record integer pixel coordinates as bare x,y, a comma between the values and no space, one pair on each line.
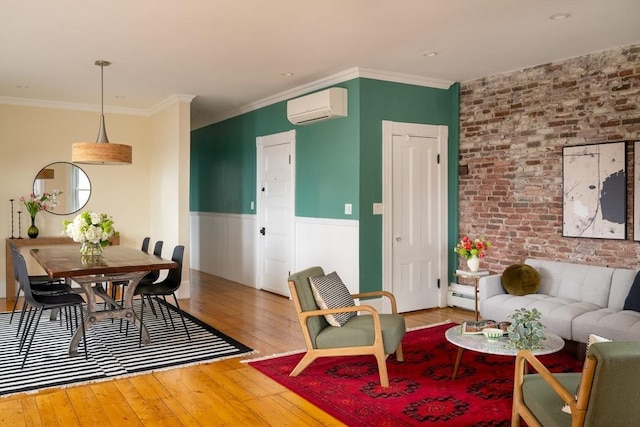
90,251
473,263
33,231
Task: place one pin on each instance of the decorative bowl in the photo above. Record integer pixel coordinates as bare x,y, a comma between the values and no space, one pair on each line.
493,334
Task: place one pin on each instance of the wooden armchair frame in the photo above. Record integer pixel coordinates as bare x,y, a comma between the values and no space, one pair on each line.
578,407
376,349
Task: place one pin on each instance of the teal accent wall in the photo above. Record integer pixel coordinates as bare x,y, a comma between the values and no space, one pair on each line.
398,102
223,161
337,161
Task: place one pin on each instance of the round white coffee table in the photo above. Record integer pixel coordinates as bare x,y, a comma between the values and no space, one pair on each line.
479,343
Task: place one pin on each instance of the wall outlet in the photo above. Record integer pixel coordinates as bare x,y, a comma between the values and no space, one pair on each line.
378,208
347,208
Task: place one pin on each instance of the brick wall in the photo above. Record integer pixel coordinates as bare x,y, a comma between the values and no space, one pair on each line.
512,130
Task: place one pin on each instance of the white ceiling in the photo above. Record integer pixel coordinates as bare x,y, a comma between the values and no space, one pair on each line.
231,53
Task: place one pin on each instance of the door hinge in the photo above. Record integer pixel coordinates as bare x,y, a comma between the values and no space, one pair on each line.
438,283
289,158
438,159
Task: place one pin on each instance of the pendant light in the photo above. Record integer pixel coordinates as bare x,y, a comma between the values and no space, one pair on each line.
101,152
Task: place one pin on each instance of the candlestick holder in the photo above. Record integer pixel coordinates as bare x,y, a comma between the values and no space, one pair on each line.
11,200
19,225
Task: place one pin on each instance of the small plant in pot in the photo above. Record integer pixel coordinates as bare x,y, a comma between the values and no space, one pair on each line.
526,332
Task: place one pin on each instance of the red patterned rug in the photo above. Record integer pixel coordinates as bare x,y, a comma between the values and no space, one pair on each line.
421,390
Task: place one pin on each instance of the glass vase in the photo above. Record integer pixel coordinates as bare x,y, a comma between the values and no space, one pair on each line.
91,251
33,231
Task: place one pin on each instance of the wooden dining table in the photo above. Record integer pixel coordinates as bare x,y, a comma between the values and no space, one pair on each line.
117,263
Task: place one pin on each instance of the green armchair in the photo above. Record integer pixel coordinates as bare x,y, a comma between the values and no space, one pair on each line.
608,389
375,334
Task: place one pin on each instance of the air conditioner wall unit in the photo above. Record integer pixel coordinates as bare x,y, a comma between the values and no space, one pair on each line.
324,105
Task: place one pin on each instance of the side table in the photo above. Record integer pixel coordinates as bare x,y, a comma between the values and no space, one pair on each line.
475,276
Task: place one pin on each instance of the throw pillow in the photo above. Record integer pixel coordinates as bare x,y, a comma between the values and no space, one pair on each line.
593,338
330,292
632,302
520,279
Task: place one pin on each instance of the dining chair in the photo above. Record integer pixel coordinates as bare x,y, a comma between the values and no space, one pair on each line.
115,285
40,285
165,287
38,303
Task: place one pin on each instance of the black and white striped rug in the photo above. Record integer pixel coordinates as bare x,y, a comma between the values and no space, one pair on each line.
111,353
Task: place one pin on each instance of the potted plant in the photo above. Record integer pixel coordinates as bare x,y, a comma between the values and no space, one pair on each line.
526,332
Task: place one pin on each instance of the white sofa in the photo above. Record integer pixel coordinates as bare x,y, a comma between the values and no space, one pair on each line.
575,300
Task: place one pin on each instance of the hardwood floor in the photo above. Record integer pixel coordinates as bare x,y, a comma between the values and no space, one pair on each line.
225,393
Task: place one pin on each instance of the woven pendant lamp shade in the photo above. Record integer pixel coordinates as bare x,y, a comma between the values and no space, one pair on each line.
101,152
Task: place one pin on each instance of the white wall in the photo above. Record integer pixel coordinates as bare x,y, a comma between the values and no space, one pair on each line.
225,245
32,137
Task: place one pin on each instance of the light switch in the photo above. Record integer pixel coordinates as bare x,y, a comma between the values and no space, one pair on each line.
347,208
378,208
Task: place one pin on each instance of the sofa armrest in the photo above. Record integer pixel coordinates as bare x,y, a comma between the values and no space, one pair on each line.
490,286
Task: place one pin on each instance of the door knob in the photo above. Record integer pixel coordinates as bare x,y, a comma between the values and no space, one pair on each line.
262,231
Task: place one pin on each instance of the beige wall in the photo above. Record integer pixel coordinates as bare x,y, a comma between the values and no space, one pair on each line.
32,137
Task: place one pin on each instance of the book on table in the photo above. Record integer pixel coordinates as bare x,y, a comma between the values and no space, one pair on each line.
475,328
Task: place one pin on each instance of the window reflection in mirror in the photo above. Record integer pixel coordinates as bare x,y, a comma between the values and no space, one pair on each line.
68,178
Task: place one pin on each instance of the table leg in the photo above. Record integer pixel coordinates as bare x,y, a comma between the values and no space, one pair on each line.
457,365
475,295
116,312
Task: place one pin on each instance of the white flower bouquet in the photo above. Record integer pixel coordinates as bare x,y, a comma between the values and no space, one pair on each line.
90,227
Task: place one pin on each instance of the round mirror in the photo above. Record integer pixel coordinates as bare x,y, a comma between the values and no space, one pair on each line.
69,180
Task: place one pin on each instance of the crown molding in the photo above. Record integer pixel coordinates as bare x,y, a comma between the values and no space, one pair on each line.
171,100
43,103
343,76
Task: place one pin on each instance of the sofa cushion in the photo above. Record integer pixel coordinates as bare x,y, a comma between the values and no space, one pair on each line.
613,324
632,302
520,279
330,292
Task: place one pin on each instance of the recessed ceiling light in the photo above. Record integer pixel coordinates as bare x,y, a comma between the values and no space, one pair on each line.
287,74
430,54
559,16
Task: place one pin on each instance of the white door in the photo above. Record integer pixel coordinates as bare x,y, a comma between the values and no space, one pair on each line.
275,211
415,207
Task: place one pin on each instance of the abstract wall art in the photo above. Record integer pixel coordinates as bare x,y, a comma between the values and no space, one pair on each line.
595,191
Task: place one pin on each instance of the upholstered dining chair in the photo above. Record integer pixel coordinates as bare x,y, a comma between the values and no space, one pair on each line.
373,333
165,287
39,303
606,393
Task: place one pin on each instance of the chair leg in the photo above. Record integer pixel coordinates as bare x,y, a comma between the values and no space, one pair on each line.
35,328
15,304
382,369
27,326
22,312
166,304
181,316
140,325
399,353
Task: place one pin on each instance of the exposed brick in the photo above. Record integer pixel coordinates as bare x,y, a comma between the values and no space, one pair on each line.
513,129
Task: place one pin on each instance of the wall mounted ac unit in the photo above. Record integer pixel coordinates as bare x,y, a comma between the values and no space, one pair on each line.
326,104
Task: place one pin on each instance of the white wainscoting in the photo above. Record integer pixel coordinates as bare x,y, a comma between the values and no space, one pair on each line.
332,244
224,245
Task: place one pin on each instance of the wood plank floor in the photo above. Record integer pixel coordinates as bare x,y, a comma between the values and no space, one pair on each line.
225,393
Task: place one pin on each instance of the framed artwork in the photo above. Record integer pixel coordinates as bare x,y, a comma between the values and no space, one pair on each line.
594,190
636,192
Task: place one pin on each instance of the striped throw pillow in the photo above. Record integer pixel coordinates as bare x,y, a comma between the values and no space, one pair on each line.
330,292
